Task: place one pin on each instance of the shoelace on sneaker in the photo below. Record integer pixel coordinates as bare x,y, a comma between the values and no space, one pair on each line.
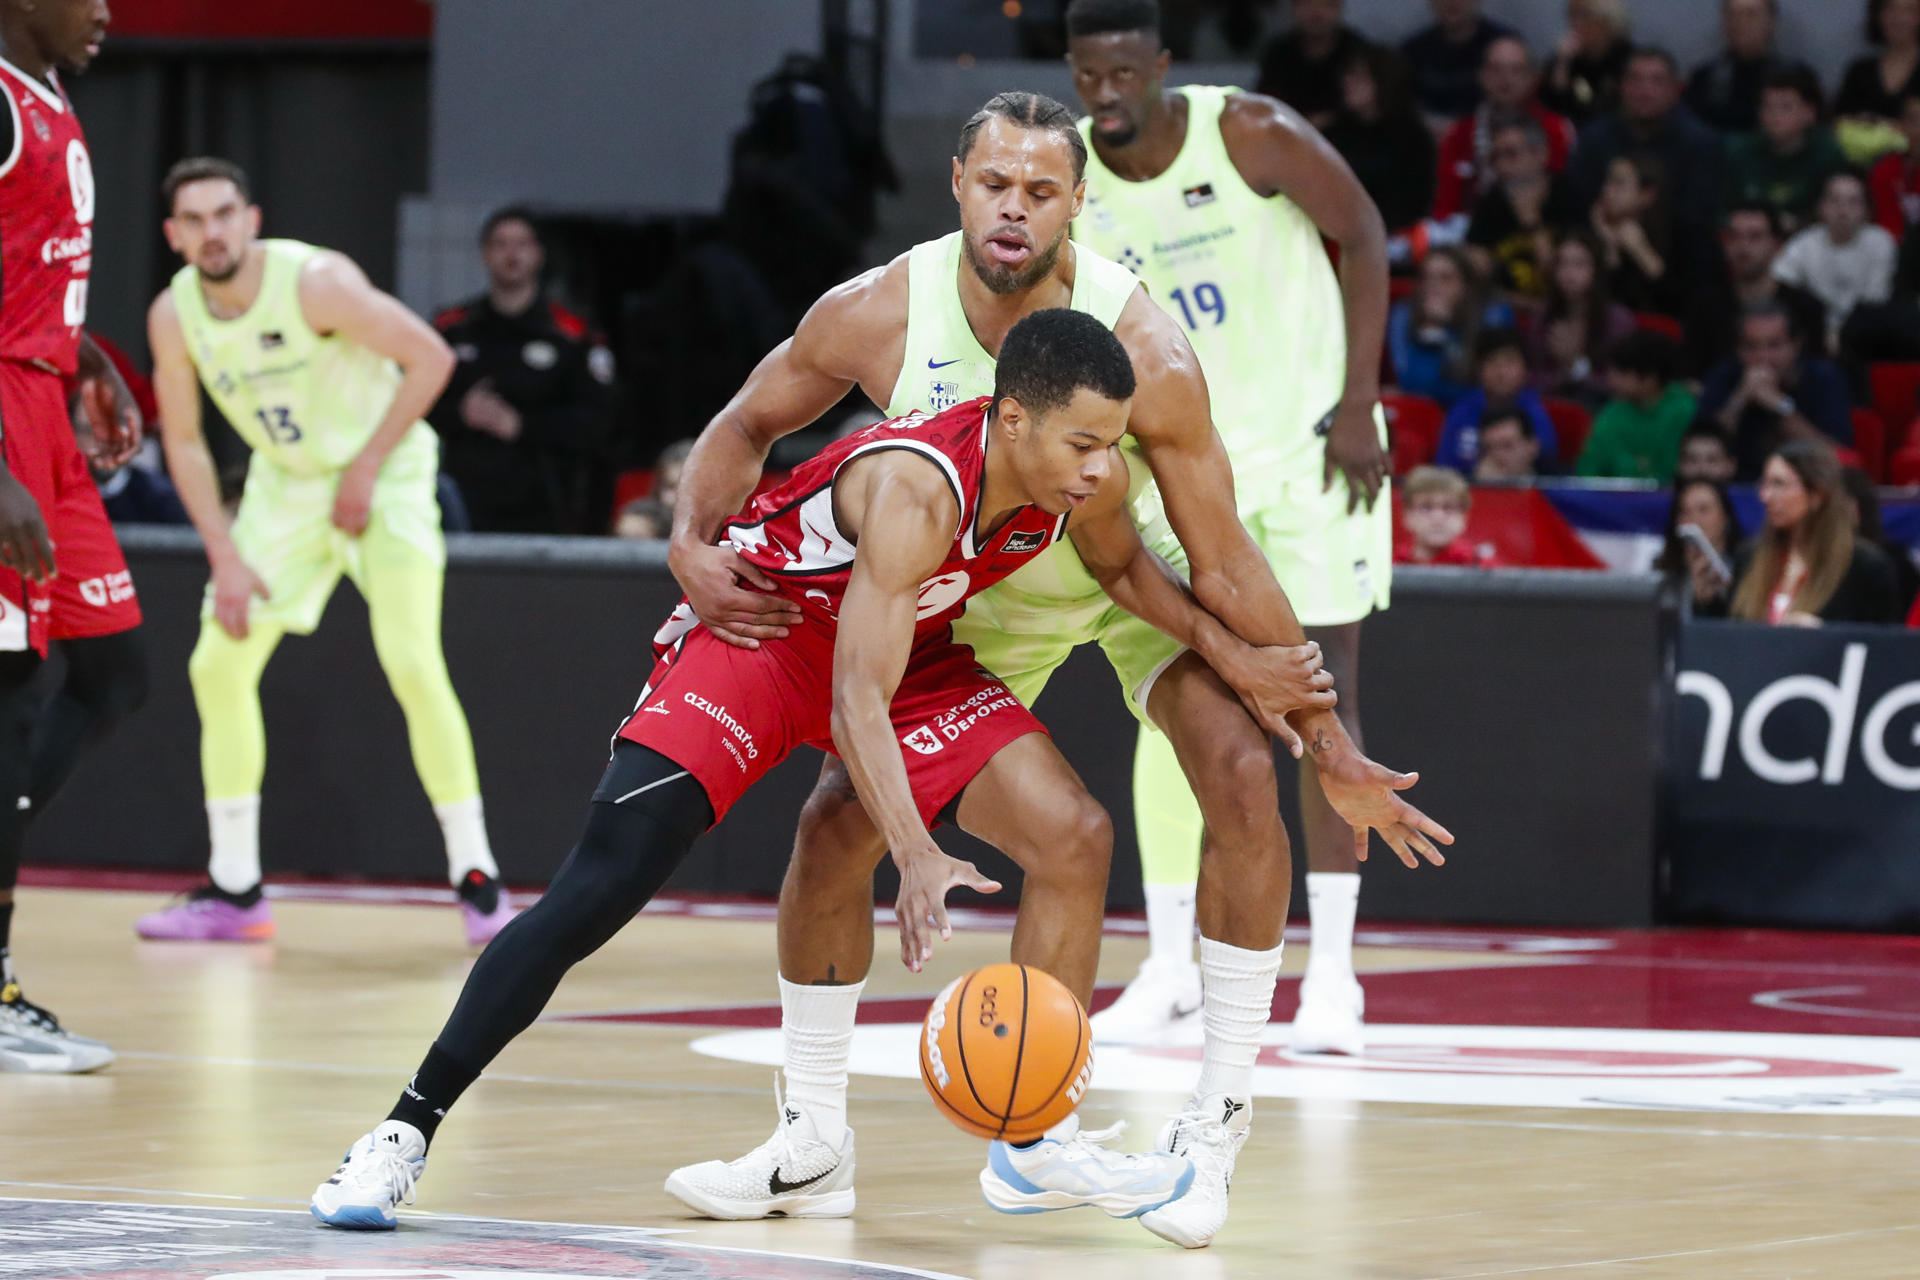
31,1014
1201,1138
1094,1143
386,1170
780,1145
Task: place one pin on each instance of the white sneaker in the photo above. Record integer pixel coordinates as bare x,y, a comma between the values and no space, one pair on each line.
1331,1017
31,1039
792,1174
1210,1132
1160,1006
1074,1169
377,1175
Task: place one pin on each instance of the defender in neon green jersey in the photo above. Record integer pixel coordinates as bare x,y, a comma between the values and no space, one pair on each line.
1221,203
326,378
913,334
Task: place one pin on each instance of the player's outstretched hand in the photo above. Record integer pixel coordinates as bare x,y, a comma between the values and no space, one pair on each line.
926,874
1365,794
731,597
1353,450
234,587
25,546
115,420
1275,679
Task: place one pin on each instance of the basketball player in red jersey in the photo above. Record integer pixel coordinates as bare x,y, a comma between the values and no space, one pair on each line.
62,577
879,541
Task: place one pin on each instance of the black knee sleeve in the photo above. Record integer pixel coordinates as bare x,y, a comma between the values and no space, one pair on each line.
106,681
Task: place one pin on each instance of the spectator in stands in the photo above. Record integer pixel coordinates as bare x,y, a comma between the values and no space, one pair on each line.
1434,506
1705,455
644,520
1510,448
1302,66
1863,504
1773,393
1528,206
1446,57
1895,179
526,424
666,472
1381,137
1637,435
1725,91
1871,89
1568,344
1842,259
1501,362
1431,335
1786,164
1805,567
1584,79
1708,507
1751,238
1509,87
1631,222
1652,119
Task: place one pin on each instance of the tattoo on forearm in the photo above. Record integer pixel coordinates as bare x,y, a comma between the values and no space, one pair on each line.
1321,743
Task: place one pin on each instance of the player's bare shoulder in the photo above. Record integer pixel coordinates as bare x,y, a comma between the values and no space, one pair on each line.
902,488
858,330
1265,138
1170,399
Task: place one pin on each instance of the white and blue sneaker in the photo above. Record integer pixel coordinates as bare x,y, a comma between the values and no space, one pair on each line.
1068,1168
377,1175
1210,1132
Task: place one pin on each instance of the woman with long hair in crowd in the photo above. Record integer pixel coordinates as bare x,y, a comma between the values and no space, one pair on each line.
1567,343
1708,507
1380,135
1805,566
1872,87
1431,334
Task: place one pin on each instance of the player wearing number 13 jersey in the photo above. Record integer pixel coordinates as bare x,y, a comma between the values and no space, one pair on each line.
326,378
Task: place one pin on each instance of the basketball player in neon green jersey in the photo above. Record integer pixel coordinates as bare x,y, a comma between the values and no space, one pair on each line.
1218,200
919,333
326,378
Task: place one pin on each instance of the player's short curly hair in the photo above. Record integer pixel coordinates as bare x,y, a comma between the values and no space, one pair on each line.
1031,111
204,169
1098,17
1052,354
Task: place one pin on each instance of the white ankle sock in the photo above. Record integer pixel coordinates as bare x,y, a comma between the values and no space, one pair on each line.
1239,1000
464,825
816,1024
233,827
1332,899
1170,924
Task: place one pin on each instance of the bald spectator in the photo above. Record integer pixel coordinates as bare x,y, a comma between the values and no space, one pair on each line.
1302,65
1509,86
1725,90
1446,58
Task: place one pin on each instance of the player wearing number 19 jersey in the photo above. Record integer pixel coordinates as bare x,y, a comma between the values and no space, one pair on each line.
326,378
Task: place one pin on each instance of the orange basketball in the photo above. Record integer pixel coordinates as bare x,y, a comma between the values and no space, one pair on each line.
1006,1052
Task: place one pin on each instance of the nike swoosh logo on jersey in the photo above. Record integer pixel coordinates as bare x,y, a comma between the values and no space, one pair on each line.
931,364
776,1185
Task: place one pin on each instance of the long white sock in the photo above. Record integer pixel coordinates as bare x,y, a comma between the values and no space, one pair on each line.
1239,1000
1170,924
234,829
464,825
1332,899
816,1024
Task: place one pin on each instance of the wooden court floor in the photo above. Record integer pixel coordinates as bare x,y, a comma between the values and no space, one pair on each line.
245,1071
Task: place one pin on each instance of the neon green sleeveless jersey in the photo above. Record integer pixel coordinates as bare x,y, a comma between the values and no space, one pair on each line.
944,364
1248,278
307,403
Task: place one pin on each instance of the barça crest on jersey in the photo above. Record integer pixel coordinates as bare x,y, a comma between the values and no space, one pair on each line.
942,395
271,339
1197,196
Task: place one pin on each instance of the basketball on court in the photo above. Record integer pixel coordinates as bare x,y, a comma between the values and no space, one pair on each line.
1006,1052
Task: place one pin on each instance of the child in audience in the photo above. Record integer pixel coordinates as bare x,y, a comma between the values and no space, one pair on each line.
1637,435
1510,448
1630,220
1432,334
1434,503
1501,363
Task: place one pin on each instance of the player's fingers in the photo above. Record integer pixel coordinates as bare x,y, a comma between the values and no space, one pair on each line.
1322,679
754,629
721,632
1424,847
1321,700
749,572
1360,844
1280,729
972,877
1398,843
42,552
1401,781
1427,826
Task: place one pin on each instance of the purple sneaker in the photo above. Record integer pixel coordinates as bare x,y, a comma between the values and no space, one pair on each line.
484,907
205,917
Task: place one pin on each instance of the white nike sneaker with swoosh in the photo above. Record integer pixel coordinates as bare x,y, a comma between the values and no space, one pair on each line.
1210,1132
793,1174
1160,1007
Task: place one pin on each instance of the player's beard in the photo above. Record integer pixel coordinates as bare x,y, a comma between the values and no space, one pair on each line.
1004,280
227,273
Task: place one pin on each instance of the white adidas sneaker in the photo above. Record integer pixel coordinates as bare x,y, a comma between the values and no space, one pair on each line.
792,1174
1210,1133
1160,1006
379,1173
31,1039
1331,1017
1069,1168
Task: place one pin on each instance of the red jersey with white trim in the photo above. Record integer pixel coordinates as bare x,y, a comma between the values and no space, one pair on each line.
46,225
789,532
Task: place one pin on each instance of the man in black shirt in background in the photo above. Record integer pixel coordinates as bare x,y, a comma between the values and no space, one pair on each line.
527,423
1301,66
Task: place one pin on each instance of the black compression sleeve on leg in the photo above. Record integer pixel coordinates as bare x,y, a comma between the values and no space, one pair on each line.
625,854
19,707
106,682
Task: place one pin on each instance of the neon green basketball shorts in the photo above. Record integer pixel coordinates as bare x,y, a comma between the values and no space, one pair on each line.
285,533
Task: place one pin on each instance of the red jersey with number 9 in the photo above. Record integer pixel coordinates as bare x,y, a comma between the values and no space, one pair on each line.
46,225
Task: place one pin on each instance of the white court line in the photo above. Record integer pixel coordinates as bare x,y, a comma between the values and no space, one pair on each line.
1678,1253
138,1191
1794,1002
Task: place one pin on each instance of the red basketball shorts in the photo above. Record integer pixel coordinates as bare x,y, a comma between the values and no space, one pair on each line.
92,592
728,715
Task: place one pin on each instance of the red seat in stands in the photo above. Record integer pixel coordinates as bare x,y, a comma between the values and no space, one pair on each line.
1904,466
1894,391
1572,423
1870,443
1413,428
1666,326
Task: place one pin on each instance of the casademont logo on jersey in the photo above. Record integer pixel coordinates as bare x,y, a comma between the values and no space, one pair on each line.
732,726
